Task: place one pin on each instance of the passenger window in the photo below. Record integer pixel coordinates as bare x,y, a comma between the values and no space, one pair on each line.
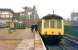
59,24
46,24
52,24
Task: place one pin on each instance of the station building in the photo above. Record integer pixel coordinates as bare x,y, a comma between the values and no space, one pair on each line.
74,18
6,14
30,16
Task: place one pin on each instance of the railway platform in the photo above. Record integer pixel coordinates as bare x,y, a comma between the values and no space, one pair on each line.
35,43
22,39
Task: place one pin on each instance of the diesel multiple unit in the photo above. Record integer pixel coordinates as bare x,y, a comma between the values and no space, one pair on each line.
51,28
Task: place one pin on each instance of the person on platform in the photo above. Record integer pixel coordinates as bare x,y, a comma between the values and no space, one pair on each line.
36,27
32,28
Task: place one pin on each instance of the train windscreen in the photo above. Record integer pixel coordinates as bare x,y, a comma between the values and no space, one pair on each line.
59,24
46,24
52,23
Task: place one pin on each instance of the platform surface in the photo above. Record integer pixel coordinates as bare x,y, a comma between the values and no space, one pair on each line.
22,39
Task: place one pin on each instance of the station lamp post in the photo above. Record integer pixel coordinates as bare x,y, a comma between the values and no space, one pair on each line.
9,24
29,18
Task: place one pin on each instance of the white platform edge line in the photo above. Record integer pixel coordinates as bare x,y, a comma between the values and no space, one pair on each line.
42,43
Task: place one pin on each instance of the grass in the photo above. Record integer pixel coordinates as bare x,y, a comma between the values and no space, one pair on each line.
72,30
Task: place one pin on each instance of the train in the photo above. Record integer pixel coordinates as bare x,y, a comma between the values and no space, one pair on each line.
51,28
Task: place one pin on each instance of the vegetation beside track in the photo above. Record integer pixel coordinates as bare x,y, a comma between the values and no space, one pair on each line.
72,30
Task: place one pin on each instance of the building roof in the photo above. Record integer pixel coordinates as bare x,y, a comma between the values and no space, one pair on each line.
6,9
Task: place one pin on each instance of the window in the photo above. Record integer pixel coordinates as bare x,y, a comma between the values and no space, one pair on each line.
59,24
46,24
52,24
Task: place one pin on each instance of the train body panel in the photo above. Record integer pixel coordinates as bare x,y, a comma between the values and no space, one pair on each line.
52,31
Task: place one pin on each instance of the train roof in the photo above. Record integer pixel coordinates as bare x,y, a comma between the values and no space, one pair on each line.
52,16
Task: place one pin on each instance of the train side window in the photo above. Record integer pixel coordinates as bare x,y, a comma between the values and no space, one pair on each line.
52,24
59,24
46,24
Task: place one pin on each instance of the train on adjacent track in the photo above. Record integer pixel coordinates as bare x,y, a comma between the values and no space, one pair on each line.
51,28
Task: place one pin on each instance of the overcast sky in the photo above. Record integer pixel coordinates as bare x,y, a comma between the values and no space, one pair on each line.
44,7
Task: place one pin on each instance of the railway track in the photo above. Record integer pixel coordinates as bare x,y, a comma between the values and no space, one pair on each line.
67,43
60,46
71,38
71,42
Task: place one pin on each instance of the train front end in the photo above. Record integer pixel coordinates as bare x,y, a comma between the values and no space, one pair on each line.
52,29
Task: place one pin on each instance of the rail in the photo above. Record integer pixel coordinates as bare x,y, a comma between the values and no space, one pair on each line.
71,38
56,47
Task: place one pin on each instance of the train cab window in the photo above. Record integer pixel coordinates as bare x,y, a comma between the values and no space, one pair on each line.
52,25
59,24
46,24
